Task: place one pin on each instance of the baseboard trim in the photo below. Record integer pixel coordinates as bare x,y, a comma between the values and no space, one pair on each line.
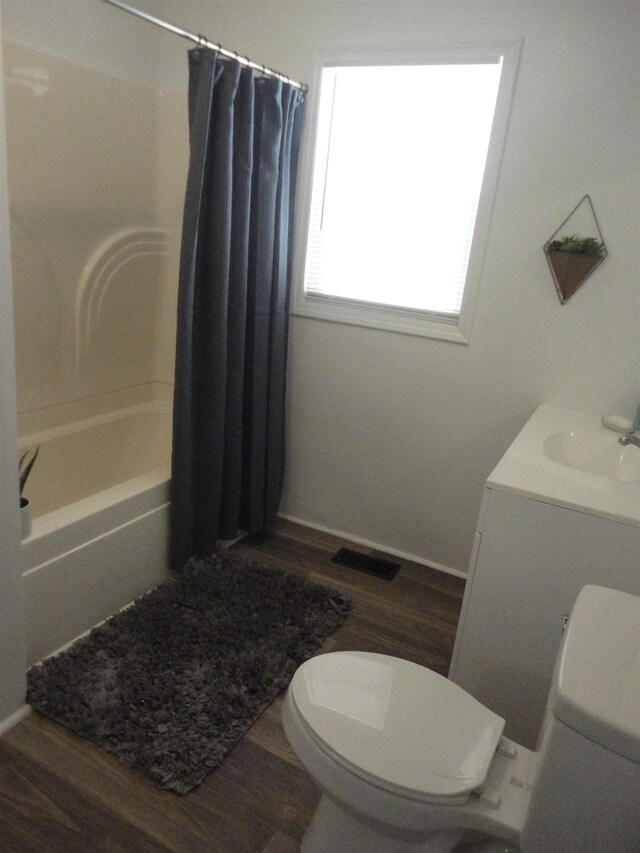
14,718
386,549
227,543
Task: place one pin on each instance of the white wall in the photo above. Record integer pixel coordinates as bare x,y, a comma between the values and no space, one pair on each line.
12,647
391,437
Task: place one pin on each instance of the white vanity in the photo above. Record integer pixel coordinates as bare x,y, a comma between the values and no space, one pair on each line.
560,510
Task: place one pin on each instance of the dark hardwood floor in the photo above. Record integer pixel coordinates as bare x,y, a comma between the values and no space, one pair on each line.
60,793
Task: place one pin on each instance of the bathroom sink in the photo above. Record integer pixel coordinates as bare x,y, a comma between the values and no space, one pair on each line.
567,458
594,453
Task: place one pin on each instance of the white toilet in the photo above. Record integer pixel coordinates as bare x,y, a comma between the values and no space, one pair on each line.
408,762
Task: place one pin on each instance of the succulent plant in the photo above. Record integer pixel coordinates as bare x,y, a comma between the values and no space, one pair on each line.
575,245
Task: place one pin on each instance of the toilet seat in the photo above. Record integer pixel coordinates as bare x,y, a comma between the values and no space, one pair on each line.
397,725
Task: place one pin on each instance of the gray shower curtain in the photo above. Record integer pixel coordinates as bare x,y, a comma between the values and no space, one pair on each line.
231,348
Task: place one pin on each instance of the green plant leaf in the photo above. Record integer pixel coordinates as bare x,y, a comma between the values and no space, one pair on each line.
25,470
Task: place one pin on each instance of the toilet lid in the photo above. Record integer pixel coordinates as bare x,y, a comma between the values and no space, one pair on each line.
396,724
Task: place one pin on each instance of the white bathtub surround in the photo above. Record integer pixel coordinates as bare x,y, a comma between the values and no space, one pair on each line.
86,162
95,443
94,258
103,481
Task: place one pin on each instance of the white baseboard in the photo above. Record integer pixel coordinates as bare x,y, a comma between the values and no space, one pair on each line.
358,540
227,543
11,721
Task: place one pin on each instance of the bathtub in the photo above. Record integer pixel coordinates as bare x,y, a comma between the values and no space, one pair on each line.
99,492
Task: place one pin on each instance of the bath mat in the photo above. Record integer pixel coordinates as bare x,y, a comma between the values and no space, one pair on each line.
172,683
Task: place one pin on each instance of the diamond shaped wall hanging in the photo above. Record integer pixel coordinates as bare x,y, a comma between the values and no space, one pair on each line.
575,249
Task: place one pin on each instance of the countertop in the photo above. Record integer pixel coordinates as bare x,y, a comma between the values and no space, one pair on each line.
526,470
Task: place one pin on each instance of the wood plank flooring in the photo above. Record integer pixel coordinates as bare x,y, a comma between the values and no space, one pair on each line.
60,793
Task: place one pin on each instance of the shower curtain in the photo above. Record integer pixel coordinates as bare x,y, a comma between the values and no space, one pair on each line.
231,346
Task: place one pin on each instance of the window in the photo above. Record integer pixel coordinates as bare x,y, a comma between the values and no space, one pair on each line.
405,167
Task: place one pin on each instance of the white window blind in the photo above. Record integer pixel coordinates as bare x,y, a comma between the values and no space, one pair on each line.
400,158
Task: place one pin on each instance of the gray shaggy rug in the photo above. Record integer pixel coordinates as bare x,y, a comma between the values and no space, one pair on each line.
172,683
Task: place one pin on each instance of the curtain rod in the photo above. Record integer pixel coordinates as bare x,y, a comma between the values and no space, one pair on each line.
203,42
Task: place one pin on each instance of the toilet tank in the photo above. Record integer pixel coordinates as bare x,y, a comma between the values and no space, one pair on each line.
586,791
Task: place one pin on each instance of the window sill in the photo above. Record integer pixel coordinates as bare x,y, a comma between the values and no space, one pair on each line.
405,322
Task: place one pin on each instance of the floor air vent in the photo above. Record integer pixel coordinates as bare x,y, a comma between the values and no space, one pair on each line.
364,563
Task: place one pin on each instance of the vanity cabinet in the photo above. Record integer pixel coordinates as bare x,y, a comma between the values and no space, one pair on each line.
531,557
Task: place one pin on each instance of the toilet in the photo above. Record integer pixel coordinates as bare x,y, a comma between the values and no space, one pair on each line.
409,762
